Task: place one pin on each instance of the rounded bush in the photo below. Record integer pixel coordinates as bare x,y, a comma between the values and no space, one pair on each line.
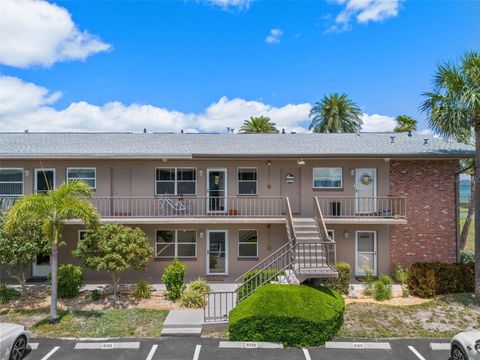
192,298
296,315
173,277
95,295
70,281
199,285
383,288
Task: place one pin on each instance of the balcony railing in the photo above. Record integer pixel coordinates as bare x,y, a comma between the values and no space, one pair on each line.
360,207
194,206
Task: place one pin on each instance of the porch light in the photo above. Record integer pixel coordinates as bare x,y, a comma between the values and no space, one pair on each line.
26,172
200,172
352,172
300,162
346,234
201,234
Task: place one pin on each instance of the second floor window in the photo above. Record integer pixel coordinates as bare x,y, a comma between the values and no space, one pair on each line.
247,181
175,181
87,175
11,182
327,178
176,243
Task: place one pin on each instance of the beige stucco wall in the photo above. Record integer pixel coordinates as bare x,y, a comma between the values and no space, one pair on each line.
269,177
271,237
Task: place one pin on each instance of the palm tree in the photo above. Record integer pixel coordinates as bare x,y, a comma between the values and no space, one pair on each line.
258,125
453,109
52,209
468,167
405,123
335,113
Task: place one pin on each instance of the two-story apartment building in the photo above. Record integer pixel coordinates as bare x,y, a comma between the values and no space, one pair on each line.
224,202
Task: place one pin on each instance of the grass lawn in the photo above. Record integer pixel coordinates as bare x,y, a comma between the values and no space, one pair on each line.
108,323
471,234
439,318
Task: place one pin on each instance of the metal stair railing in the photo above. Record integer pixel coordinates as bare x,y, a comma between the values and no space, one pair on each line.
330,245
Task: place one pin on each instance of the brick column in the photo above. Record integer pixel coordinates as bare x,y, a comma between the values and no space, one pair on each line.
430,191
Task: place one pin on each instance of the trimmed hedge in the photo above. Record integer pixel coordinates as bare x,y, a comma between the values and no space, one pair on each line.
431,279
342,282
70,281
296,315
261,275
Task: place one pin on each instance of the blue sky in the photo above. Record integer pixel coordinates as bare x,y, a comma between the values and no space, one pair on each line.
205,65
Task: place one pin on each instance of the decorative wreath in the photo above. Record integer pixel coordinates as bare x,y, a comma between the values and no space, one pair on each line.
366,179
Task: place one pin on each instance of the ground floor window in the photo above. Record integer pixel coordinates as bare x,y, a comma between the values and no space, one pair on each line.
247,243
366,252
176,243
331,234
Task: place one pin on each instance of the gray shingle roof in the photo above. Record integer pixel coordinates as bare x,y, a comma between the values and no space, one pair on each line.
81,145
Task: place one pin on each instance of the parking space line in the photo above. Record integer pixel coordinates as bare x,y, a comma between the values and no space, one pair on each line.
33,346
51,353
196,354
440,346
417,354
306,354
152,352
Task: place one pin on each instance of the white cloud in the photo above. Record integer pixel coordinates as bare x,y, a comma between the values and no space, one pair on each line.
231,4
377,123
28,106
274,37
40,33
363,11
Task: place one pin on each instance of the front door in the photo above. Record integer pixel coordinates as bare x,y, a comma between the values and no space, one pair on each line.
44,180
217,252
365,191
291,188
366,252
41,266
121,191
217,190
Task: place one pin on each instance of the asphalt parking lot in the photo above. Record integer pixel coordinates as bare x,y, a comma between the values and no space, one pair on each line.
210,349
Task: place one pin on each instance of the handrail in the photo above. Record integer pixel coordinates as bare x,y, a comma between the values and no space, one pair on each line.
363,206
290,228
323,229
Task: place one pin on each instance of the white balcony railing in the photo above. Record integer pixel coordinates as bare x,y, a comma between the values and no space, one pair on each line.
360,207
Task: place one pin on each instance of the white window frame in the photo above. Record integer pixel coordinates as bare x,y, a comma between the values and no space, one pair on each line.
239,243
175,182
175,244
375,245
249,181
333,233
80,179
323,187
37,170
15,182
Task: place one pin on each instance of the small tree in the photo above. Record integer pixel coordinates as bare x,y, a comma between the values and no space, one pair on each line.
20,247
114,249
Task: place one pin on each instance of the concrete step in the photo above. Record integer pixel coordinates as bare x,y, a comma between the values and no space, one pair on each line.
182,331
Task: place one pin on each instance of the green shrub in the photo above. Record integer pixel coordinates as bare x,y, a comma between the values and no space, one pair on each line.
383,288
142,290
7,293
95,295
296,315
367,282
192,298
342,282
173,277
467,257
254,279
70,281
401,276
431,279
200,285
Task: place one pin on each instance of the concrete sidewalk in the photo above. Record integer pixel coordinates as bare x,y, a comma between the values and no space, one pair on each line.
183,323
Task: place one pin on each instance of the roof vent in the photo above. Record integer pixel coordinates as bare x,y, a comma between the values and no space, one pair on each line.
26,131
144,130
392,139
425,141
410,133
293,132
283,131
181,131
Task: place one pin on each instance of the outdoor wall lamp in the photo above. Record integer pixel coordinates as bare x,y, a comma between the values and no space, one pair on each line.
300,162
27,172
200,172
346,234
201,234
352,172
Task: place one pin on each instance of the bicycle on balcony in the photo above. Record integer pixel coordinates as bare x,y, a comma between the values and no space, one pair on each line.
174,206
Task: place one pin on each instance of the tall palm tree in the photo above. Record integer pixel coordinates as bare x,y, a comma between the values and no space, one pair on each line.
468,167
453,109
335,113
258,125
53,208
405,123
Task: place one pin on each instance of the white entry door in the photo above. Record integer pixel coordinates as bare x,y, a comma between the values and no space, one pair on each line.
366,252
41,266
365,191
217,252
217,191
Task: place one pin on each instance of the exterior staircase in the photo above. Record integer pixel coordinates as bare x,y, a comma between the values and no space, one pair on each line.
309,253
